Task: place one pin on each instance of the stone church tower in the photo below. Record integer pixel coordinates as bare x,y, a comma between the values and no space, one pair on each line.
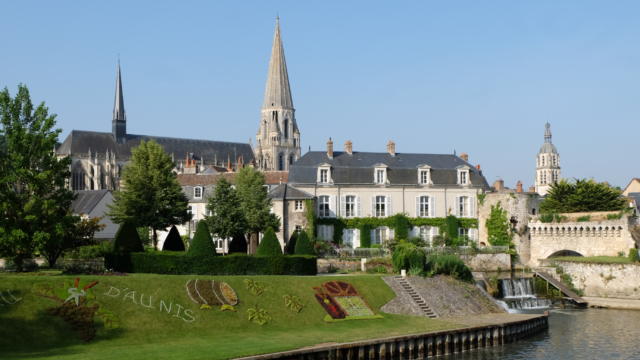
548,164
278,138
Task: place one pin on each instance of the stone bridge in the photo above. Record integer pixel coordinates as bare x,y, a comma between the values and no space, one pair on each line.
587,238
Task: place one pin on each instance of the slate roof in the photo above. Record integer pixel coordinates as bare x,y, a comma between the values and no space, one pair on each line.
288,192
270,177
402,168
86,200
81,142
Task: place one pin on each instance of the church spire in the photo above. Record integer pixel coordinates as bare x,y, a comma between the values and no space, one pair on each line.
277,93
119,122
547,133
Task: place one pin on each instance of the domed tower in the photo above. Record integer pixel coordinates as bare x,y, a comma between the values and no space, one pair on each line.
548,164
278,138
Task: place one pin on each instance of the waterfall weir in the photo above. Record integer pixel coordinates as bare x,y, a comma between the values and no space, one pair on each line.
518,295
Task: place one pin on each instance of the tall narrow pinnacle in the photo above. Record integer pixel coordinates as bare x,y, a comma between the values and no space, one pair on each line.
277,93
547,133
118,103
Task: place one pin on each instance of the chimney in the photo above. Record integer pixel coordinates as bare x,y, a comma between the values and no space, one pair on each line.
330,148
465,157
348,147
391,148
519,186
479,169
498,185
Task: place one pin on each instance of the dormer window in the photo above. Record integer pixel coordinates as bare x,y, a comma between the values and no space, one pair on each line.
380,174
324,175
197,192
424,175
463,176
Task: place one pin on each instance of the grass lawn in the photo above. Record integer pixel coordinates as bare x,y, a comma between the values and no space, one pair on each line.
148,332
595,259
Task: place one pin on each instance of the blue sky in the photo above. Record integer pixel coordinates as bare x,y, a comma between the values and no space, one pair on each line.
480,77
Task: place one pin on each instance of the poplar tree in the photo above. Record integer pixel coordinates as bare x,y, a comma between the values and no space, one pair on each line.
34,200
150,195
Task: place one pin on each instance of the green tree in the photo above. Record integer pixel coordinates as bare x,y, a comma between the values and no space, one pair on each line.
227,218
582,195
202,244
498,226
72,232
127,239
255,205
290,247
303,245
34,200
151,195
269,246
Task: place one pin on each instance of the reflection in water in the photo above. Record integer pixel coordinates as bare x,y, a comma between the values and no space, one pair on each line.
573,334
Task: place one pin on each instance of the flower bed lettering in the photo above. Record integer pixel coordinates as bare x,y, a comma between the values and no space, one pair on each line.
147,301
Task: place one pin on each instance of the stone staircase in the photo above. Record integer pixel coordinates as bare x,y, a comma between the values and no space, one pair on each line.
415,296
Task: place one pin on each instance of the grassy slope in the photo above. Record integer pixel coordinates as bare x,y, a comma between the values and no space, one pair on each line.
27,332
595,259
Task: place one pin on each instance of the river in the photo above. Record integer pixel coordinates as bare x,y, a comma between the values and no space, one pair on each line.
573,334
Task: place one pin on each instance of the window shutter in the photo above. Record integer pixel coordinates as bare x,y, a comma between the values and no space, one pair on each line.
356,238
330,233
343,206
373,206
389,209
473,234
457,207
332,206
417,206
472,206
358,207
432,206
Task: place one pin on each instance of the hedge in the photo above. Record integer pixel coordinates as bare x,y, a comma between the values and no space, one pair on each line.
177,263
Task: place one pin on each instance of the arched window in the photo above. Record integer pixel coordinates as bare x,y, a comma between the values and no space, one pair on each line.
280,162
286,128
290,159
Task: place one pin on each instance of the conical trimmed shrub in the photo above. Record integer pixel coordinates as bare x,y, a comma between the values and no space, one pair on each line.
202,244
269,246
173,242
127,240
303,245
290,248
238,244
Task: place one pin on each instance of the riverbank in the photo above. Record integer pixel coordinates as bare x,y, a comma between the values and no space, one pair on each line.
610,303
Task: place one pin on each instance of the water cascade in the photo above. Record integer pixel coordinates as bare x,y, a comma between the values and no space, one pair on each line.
518,295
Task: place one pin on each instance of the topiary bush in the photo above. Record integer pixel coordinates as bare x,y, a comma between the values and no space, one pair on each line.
202,244
448,265
127,240
290,247
173,242
269,246
303,245
238,244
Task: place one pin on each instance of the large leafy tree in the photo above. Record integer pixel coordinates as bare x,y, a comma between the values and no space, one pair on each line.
151,195
227,218
582,195
255,204
34,201
498,226
71,232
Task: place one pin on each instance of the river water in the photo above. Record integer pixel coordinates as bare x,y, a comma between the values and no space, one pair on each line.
573,334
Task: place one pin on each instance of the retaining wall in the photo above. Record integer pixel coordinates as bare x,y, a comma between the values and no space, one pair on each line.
604,280
419,346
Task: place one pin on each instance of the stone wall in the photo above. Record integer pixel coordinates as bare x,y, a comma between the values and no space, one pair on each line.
587,238
604,280
487,262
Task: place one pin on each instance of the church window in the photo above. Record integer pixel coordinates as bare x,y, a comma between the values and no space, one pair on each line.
290,159
280,162
77,180
542,160
197,192
286,128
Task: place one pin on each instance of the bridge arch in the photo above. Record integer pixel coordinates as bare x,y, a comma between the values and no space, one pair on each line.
564,253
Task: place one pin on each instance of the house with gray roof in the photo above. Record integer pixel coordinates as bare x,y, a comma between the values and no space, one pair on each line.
92,204
351,184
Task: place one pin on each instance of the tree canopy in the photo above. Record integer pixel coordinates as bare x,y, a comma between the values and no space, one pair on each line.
151,195
582,195
227,218
255,204
34,200
202,244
